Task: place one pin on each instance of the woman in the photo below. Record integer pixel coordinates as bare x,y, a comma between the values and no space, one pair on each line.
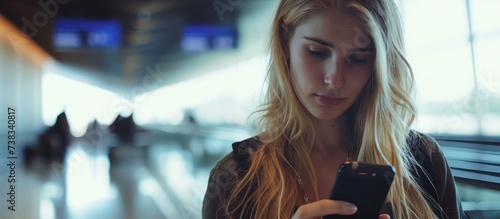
339,89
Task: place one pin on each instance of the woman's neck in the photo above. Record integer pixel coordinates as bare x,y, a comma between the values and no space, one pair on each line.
331,137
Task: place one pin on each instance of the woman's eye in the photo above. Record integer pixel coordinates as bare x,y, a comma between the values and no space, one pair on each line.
318,53
355,60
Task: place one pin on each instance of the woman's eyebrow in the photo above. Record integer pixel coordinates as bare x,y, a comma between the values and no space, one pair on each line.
366,49
320,41
328,44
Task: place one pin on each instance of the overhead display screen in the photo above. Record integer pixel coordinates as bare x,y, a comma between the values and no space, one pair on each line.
199,38
86,33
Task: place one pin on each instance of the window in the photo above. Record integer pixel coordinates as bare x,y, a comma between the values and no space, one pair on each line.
458,82
226,96
82,102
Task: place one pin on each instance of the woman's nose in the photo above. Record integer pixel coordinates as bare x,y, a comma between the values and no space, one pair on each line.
334,77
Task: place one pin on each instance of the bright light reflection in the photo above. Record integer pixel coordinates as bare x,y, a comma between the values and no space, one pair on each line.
178,173
87,179
51,190
47,209
148,186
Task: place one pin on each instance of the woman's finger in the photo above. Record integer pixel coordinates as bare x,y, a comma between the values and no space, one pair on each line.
384,216
324,207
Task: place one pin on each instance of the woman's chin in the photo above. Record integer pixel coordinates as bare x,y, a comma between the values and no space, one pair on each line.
327,116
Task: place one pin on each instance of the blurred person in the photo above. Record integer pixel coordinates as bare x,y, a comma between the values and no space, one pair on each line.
340,88
52,145
60,137
124,128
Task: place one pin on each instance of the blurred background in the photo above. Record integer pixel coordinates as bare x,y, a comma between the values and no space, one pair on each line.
121,108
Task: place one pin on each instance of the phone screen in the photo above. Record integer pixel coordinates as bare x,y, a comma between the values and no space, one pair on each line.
364,185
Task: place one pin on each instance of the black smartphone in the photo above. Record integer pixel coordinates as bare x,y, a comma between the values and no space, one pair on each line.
365,185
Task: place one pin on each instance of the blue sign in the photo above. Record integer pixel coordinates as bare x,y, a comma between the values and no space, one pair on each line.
197,38
86,33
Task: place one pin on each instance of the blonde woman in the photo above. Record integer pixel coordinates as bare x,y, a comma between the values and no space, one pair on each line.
339,89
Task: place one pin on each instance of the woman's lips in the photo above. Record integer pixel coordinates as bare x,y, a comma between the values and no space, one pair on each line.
329,101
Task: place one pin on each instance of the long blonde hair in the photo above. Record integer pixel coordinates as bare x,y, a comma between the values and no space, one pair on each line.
382,117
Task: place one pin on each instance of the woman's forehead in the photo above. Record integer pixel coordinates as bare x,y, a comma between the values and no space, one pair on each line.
332,26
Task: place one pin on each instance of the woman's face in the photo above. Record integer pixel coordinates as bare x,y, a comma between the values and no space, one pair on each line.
331,61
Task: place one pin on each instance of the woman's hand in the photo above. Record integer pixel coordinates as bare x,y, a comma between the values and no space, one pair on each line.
327,207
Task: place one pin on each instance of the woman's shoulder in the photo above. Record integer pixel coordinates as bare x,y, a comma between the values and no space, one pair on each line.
423,146
432,170
243,151
233,165
438,179
429,151
238,159
225,175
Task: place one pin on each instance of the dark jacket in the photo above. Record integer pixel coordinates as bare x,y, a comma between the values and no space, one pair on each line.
434,176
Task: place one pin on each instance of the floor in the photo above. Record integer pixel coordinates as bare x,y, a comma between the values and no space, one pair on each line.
162,175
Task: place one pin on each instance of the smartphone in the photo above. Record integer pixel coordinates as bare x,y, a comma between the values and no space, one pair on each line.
365,185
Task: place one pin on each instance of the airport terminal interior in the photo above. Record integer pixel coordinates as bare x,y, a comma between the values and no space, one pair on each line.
121,108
